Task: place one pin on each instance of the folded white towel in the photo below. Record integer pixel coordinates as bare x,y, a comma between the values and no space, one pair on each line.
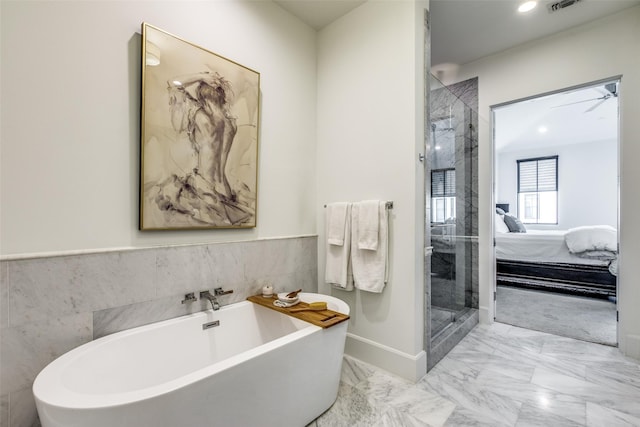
337,222
370,268
368,218
338,257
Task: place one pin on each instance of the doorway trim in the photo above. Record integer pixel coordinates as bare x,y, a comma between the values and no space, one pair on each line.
492,108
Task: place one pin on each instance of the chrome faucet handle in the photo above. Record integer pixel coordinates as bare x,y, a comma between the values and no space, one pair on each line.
219,291
190,297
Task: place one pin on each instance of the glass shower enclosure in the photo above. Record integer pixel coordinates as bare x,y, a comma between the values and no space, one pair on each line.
452,216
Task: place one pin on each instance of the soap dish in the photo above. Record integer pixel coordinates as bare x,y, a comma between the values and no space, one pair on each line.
284,298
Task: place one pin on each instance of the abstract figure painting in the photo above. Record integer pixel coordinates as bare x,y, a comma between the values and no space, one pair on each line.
199,138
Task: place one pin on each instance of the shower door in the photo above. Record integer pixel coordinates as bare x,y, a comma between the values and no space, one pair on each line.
452,213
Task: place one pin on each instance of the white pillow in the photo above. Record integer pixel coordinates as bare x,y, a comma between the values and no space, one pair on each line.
500,226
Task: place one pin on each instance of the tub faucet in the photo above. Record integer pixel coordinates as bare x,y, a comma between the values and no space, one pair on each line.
213,298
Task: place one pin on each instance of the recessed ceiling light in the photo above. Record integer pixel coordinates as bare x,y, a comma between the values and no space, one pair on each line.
527,6
542,129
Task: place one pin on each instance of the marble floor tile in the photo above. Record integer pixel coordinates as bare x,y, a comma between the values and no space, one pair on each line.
531,416
544,401
428,408
600,416
467,394
498,375
352,408
355,371
396,418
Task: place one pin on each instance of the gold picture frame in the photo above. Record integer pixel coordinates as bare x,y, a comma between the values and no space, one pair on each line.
199,137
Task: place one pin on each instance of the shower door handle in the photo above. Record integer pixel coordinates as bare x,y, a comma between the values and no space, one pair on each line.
428,250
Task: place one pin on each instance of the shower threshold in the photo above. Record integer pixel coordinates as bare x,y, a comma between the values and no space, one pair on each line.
441,343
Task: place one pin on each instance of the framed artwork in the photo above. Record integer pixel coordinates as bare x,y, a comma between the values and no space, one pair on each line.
199,137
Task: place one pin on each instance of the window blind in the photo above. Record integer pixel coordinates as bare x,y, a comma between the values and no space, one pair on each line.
535,175
443,183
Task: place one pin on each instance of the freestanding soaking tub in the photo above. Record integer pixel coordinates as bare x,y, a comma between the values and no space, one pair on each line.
257,368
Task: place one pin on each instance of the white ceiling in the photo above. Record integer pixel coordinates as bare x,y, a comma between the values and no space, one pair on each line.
583,115
465,30
319,13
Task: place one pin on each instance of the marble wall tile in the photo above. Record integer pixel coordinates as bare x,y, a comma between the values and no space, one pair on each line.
41,289
120,318
185,269
4,294
117,319
26,349
467,92
23,412
4,410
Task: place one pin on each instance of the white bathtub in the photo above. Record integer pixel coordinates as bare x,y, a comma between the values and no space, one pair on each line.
257,368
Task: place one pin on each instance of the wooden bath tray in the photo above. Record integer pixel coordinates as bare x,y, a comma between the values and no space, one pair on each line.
322,318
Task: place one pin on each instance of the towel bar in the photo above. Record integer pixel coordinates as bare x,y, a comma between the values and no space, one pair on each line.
387,205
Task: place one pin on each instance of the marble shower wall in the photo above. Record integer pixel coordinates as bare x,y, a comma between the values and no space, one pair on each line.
51,305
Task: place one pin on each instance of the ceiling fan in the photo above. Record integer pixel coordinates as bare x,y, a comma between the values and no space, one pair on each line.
611,92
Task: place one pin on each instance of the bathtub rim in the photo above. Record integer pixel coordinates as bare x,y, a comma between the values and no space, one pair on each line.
49,389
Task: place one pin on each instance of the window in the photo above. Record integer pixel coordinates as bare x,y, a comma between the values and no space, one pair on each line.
538,190
443,194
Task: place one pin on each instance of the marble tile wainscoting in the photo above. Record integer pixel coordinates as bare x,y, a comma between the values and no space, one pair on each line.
50,305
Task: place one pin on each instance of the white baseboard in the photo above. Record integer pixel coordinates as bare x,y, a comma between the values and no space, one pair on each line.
395,361
486,315
630,345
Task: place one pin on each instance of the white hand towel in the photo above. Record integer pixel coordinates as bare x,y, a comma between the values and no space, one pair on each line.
336,223
338,258
368,218
370,268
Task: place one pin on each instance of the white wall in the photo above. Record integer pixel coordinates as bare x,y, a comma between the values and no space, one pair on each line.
599,50
71,120
370,129
70,77
587,183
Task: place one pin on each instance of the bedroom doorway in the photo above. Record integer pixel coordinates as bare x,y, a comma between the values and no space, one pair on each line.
556,211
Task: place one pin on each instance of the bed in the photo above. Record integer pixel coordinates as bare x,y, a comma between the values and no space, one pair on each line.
581,261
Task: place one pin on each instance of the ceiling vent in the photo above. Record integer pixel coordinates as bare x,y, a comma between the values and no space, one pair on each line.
556,6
